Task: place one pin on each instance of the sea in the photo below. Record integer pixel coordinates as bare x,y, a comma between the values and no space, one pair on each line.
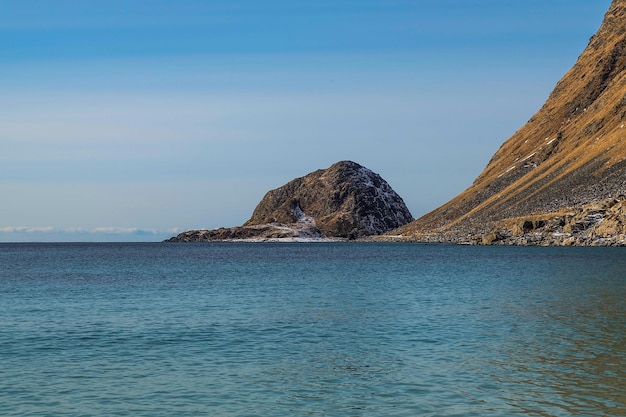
311,329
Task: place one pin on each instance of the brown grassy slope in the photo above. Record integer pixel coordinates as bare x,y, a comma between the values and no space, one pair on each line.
571,152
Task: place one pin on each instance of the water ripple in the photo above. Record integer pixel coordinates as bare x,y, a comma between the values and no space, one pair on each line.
311,330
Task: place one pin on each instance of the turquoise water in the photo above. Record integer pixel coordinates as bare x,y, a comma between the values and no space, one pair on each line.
315,329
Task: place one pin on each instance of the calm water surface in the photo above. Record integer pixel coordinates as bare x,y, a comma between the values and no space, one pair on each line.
318,329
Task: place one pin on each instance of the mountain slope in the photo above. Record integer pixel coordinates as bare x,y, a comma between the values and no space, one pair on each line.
572,152
345,201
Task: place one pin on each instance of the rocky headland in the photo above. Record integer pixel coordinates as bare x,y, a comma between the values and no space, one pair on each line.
346,201
600,223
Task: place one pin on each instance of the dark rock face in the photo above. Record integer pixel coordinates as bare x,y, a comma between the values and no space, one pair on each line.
345,201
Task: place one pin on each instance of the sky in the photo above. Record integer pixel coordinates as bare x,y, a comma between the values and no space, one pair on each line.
134,120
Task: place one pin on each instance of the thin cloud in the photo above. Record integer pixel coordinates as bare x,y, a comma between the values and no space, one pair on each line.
79,234
124,231
79,230
24,229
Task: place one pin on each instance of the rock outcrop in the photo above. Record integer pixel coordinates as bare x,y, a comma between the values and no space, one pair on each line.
570,155
345,201
597,224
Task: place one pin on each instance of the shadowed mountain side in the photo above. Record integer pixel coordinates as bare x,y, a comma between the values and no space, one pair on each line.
346,201
571,153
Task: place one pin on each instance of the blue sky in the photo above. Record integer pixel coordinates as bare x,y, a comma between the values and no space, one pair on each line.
136,119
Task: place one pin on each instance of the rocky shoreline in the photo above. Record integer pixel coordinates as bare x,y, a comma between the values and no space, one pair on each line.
258,233
596,224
